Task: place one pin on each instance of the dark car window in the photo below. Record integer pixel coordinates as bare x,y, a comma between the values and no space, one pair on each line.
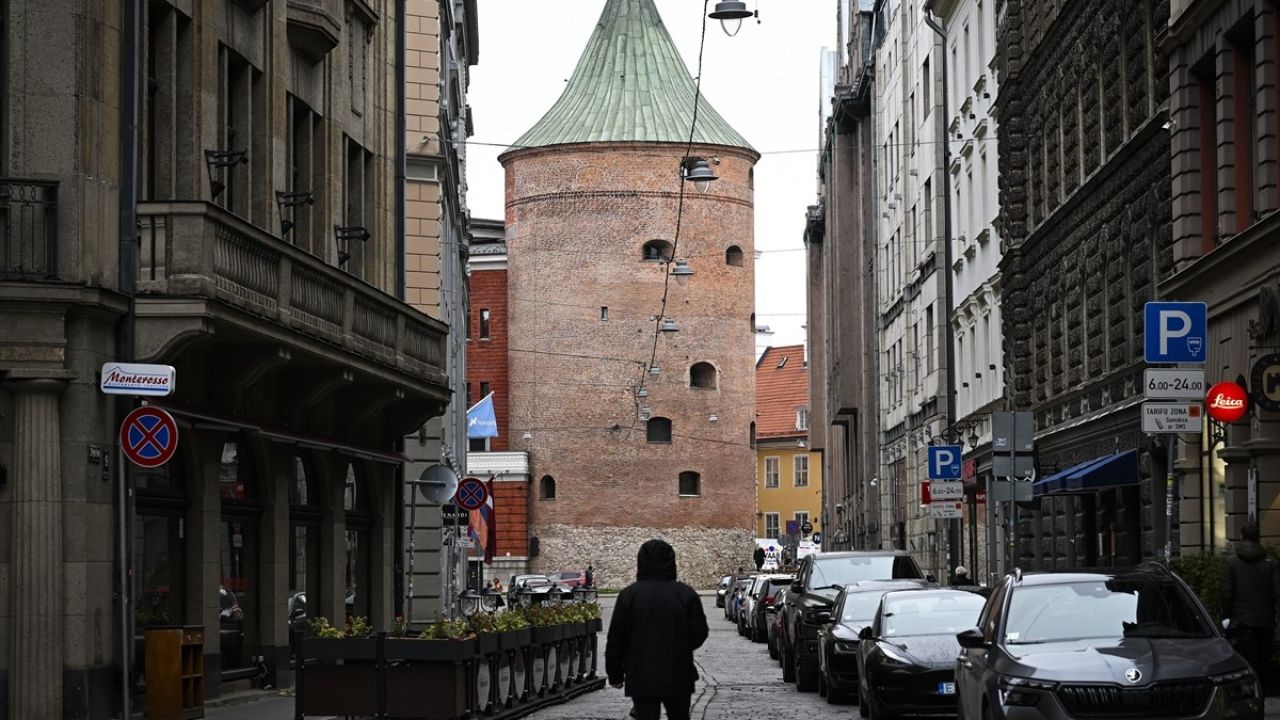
1116,608
928,614
991,613
848,570
861,607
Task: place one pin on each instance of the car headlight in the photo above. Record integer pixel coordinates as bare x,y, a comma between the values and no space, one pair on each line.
893,656
810,615
846,648
1240,684
1023,691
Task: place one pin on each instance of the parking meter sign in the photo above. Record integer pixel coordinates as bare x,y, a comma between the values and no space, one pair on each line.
945,462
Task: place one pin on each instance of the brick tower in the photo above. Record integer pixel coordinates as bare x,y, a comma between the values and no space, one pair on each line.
618,453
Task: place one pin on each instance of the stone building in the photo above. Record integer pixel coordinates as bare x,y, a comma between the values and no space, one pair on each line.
259,257
843,346
788,482
1084,215
639,419
1224,195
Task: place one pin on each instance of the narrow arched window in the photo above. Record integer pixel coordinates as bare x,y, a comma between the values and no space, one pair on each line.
548,490
702,375
733,256
656,250
690,483
658,430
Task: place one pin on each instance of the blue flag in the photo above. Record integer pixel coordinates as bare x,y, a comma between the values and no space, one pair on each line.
481,421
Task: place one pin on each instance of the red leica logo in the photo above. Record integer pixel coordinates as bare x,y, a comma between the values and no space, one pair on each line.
1227,402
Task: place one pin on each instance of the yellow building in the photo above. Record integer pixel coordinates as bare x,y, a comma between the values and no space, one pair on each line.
788,476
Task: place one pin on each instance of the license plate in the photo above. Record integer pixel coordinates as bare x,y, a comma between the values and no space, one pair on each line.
946,688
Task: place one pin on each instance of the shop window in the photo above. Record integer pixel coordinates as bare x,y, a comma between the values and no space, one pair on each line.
690,483
733,256
240,600
304,545
656,250
548,490
159,551
658,430
702,375
359,515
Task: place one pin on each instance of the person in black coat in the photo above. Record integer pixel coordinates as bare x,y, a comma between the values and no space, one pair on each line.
1250,592
657,624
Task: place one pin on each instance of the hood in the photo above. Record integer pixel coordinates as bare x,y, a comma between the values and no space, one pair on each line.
1094,661
656,561
1250,551
931,651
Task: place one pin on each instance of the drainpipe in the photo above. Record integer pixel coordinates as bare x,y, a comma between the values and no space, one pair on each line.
398,549
954,557
130,67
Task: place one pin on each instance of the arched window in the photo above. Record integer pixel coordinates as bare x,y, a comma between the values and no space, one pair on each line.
702,375
690,483
239,595
548,489
304,544
655,250
751,434
359,517
733,256
658,430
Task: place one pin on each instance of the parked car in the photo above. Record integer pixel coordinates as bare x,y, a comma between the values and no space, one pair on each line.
819,578
766,594
906,658
568,578
734,605
747,604
1133,643
773,621
722,589
854,608
531,582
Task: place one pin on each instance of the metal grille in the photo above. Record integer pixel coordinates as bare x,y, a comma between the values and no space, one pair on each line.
1159,700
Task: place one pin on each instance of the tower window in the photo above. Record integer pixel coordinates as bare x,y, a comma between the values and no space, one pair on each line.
548,487
702,375
690,483
484,323
733,256
656,250
658,430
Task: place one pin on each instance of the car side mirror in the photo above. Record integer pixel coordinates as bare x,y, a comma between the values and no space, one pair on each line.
797,586
865,633
822,617
971,639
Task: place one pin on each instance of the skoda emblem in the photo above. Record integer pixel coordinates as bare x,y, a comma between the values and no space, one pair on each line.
1133,675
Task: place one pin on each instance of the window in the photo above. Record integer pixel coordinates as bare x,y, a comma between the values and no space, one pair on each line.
690,483
357,63
751,435
656,251
926,90
241,125
168,100
658,430
359,194
1208,153
771,526
802,470
702,375
468,323
304,543
239,595
306,163
484,323
733,256
548,488
801,518
1245,140
359,518
604,312
771,472
802,418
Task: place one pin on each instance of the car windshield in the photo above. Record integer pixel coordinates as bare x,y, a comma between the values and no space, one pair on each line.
1116,608
841,571
930,614
861,607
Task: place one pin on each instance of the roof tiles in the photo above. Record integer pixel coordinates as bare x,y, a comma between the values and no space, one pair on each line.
782,387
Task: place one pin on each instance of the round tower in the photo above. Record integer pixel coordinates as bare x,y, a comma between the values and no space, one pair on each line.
600,227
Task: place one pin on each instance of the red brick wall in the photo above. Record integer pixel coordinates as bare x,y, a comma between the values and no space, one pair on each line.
577,217
487,359
511,504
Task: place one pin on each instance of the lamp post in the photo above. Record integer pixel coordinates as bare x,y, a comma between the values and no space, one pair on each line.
490,600
697,171
469,602
585,594
730,14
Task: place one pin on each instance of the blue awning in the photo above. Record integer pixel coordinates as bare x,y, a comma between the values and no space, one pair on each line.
1108,471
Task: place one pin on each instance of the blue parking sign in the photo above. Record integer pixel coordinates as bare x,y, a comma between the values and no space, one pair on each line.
1175,332
944,462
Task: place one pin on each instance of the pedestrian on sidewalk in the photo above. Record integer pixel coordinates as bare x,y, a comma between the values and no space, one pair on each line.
961,577
657,624
758,556
1250,590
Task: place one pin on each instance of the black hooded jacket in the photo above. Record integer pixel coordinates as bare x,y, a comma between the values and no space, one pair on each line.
656,626
1251,586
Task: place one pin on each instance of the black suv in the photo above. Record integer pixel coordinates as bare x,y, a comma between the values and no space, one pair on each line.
1097,644
819,579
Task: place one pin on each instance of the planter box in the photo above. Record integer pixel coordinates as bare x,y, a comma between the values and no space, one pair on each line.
594,626
514,639
347,689
344,649
447,651
486,644
548,634
431,690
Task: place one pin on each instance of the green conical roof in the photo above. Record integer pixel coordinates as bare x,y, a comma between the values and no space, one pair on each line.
630,85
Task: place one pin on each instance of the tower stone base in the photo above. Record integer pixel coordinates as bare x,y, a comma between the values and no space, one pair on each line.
703,555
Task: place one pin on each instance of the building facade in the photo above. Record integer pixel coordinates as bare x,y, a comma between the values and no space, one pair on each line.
634,383
788,474
1222,113
258,201
1084,215
843,346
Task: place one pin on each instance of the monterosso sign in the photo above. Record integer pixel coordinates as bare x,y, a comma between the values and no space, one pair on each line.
137,379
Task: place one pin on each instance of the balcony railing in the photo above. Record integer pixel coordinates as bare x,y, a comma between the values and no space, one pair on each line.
194,249
28,229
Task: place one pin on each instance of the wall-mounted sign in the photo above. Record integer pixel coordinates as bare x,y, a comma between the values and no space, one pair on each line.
1264,381
137,379
1172,417
1226,402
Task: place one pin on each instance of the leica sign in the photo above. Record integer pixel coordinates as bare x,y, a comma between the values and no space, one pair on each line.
137,379
1226,402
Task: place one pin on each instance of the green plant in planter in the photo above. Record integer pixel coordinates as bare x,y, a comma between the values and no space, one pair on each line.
321,628
510,620
398,627
455,629
359,627
482,624
540,615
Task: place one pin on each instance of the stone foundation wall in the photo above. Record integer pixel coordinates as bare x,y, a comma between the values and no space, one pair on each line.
702,554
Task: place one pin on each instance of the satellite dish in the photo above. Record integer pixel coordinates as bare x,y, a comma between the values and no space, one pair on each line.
438,484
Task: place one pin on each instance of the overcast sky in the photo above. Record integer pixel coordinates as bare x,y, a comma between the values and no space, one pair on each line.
764,82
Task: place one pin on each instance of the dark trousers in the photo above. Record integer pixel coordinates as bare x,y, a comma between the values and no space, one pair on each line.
1256,645
677,707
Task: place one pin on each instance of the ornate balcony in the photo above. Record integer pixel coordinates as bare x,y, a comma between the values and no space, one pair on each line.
28,229
205,272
